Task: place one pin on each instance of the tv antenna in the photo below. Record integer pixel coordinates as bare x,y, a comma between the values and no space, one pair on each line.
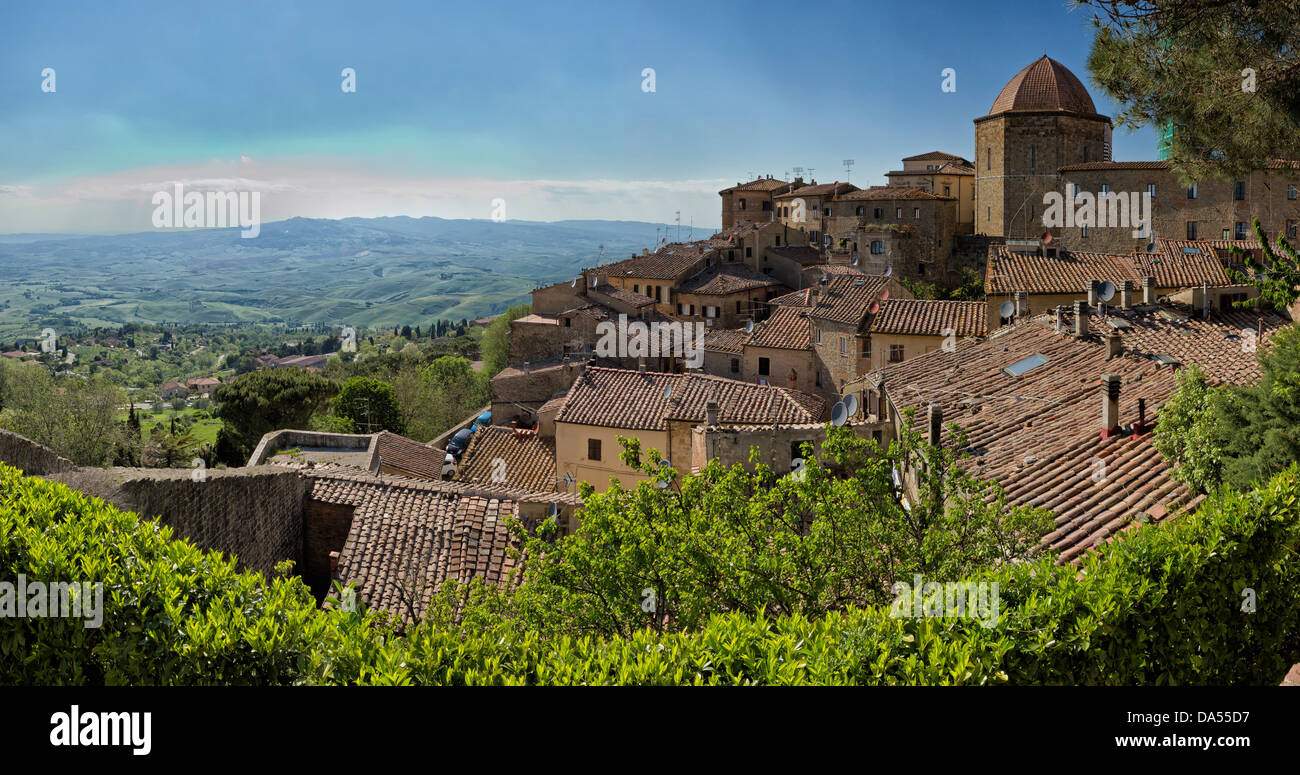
798,171
810,173
679,225
848,169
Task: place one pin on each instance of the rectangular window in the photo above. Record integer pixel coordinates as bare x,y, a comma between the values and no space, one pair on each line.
1227,235
895,353
1105,188
737,307
1033,157
898,213
1191,191
877,213
681,308
819,335
1239,191
1291,227
658,294
735,365
1083,232
749,252
764,367
767,207
1240,226
947,190
1191,230
593,449
1077,189
988,158
1151,189
866,348
778,240
1291,192
844,345
636,289
916,213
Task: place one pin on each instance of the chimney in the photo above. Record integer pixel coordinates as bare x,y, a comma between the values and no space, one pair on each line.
1114,345
711,413
1093,285
936,424
1060,319
334,565
1148,290
1109,405
1080,319
1022,304
1142,416
645,251
1126,294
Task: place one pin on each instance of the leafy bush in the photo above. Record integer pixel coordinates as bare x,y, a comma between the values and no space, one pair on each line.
1163,605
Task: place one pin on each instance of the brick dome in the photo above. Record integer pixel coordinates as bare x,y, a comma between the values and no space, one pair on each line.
1045,85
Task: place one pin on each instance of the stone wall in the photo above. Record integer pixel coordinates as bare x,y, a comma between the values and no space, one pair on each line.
29,457
255,514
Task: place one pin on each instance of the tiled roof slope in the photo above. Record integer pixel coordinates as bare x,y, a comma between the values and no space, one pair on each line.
819,189
1044,85
760,184
408,456
805,255
845,299
621,398
405,543
529,460
729,340
930,317
1070,271
934,156
890,193
786,328
725,278
1216,344
1038,434
946,169
669,262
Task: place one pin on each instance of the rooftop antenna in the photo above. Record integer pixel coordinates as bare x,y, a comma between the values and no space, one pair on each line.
679,225
798,171
848,169
810,173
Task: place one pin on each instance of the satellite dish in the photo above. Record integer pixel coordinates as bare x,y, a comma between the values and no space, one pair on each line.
660,483
839,415
1107,291
1008,309
749,326
874,308
889,270
851,403
668,391
574,284
1151,247
884,294
854,262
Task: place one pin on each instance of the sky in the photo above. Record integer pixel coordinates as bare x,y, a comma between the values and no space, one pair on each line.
541,105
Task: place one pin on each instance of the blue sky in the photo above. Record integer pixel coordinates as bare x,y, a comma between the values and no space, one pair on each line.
540,104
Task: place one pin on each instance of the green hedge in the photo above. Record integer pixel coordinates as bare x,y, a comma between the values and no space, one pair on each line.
1161,606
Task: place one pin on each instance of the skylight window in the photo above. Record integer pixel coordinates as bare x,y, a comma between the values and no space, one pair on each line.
1192,251
1024,365
1164,359
1119,323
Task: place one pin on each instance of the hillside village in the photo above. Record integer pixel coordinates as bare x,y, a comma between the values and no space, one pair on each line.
806,319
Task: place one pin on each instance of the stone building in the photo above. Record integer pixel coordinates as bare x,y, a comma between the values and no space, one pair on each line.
808,207
907,230
1042,120
944,174
750,202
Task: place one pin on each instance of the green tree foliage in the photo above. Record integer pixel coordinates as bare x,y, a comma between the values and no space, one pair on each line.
1236,435
969,288
170,449
1183,64
1163,606
253,404
1276,277
370,404
76,418
496,340
732,540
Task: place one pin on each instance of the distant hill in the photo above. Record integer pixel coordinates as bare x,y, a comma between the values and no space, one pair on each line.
358,271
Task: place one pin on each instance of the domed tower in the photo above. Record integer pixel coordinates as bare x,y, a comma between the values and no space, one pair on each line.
1042,120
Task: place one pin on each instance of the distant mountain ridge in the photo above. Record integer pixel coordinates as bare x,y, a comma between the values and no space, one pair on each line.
355,271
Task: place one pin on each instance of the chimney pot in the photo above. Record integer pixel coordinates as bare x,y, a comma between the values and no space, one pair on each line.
1060,319
936,424
1022,304
334,564
1148,290
1110,384
1114,345
1126,294
1093,286
1142,416
1080,319
711,412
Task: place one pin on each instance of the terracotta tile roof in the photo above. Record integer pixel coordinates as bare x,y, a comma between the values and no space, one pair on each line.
553,405
536,319
759,184
928,317
621,398
344,484
627,297
1038,434
1181,269
1044,85
592,311
946,169
407,455
725,278
846,298
405,543
786,328
841,269
1069,272
1114,165
819,189
529,460
670,262
1215,344
936,156
793,299
890,193
729,340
